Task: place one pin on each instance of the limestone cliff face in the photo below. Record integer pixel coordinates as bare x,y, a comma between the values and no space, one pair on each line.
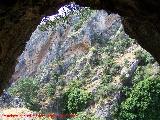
45,47
71,49
20,18
95,53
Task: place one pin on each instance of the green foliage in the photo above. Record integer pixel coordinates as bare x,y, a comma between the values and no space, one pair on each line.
49,89
85,73
75,99
105,91
83,13
106,88
142,72
108,62
85,116
111,68
54,76
95,59
144,56
76,83
27,89
143,101
126,63
106,79
115,69
117,46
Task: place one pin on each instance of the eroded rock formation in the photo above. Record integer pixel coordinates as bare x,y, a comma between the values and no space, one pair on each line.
20,18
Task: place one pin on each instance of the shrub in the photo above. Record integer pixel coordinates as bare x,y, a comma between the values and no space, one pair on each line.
115,69
111,68
95,58
106,79
75,99
49,89
107,90
143,101
144,56
27,89
86,71
117,46
85,116
142,72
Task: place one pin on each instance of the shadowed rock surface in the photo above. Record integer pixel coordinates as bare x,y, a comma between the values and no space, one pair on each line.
19,19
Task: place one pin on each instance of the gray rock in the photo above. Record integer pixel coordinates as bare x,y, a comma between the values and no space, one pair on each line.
95,78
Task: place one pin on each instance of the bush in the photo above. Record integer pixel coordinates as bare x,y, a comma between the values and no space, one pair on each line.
27,89
143,102
86,71
49,89
117,46
95,59
115,69
142,72
107,90
85,116
75,99
106,79
144,56
111,68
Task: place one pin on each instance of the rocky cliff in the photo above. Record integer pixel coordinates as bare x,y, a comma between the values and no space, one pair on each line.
69,52
91,56
20,18
78,65
45,47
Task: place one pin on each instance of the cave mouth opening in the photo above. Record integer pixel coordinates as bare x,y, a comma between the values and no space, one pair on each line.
81,48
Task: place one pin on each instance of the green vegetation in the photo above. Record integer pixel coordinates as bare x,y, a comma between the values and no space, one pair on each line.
27,89
95,58
105,91
111,68
144,56
117,46
142,72
85,116
143,101
91,78
49,89
75,98
83,13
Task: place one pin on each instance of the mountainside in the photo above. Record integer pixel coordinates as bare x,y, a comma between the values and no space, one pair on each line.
80,66
20,18
66,42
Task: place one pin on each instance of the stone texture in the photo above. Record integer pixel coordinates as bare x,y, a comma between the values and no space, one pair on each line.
45,47
20,18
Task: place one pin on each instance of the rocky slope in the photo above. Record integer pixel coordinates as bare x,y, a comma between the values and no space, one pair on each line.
93,54
66,43
20,18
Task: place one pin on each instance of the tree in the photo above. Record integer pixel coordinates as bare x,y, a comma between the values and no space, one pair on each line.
76,99
143,101
27,89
